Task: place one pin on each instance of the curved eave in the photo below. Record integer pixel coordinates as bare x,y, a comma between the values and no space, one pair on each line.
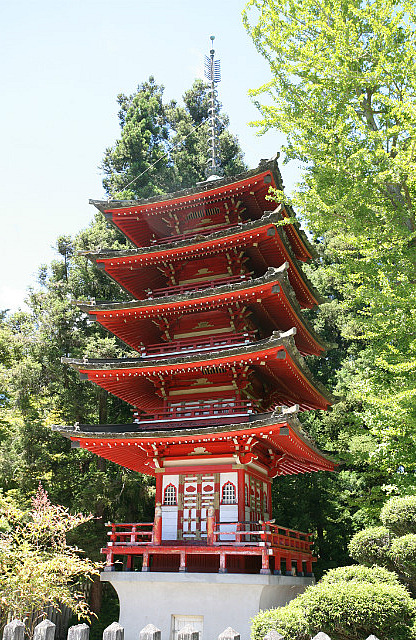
277,357
294,450
114,209
123,266
120,318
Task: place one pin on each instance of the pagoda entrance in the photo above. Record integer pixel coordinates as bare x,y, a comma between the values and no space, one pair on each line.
197,492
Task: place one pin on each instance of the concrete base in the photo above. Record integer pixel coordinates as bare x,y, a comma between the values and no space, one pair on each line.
215,600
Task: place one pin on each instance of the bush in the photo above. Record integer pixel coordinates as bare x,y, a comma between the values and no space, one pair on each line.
359,573
290,621
345,611
351,610
371,546
403,554
399,515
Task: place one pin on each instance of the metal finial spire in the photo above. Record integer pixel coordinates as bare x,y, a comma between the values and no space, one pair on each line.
213,75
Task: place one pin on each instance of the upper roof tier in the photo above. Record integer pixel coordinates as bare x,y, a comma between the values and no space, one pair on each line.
243,251
208,206
267,302
275,441
270,371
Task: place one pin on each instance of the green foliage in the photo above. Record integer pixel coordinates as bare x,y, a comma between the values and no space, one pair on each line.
345,609
165,142
403,554
342,89
371,546
37,565
359,573
399,515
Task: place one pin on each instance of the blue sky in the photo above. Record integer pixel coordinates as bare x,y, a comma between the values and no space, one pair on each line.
62,64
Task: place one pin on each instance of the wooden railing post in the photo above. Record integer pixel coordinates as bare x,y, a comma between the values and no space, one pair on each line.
45,630
229,634
157,526
114,632
210,525
15,630
273,635
150,632
188,633
78,632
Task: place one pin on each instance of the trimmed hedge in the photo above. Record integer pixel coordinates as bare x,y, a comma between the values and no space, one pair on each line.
360,573
399,515
371,546
345,609
403,554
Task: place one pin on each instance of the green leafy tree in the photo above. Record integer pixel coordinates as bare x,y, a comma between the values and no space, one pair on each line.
343,90
163,146
38,567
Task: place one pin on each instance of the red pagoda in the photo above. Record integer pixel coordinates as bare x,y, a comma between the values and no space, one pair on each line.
216,319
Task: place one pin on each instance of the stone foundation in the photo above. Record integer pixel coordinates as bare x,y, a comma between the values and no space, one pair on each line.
210,601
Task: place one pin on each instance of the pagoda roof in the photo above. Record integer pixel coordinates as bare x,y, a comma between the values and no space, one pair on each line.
126,214
276,440
270,296
128,267
276,359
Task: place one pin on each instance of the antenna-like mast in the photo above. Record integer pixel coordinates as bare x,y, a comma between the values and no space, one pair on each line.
213,75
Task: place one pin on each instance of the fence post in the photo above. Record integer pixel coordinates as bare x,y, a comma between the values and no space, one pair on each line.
273,635
15,630
210,525
188,633
45,630
321,636
150,632
157,526
229,634
372,637
79,632
114,632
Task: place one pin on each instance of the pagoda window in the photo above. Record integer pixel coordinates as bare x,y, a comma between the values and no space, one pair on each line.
228,494
169,496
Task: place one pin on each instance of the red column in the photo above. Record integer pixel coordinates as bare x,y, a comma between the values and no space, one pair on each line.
159,486
269,499
241,495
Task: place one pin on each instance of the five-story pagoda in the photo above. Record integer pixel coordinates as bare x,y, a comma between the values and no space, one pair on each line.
216,319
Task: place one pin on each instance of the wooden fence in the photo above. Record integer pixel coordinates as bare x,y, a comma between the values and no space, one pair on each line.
45,630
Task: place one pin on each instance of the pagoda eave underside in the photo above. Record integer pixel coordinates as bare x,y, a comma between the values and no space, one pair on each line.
276,442
270,297
276,358
253,186
265,242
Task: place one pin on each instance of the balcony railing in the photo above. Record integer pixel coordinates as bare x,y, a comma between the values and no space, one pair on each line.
178,289
200,343
193,233
273,543
212,412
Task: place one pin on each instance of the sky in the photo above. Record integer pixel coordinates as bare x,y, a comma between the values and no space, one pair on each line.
62,65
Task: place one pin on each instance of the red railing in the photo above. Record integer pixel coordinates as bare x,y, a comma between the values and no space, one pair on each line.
258,534
264,534
198,344
213,410
195,286
130,534
193,233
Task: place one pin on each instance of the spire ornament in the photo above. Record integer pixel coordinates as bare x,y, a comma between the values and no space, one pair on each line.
213,75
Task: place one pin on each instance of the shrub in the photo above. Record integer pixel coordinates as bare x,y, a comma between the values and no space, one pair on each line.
345,611
399,515
290,621
371,546
350,610
403,554
359,573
